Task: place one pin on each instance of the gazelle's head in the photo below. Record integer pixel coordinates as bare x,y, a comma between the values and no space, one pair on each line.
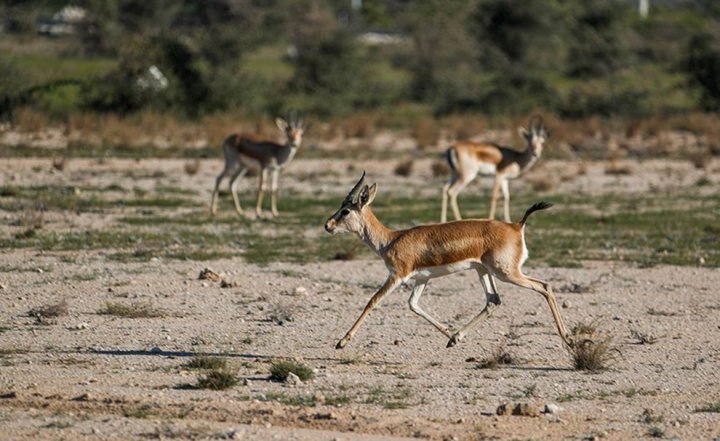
293,127
350,215
536,135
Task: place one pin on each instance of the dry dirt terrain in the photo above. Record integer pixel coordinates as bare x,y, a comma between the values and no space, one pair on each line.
92,374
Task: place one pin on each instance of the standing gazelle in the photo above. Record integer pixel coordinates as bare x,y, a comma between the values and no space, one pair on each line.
467,159
247,151
490,247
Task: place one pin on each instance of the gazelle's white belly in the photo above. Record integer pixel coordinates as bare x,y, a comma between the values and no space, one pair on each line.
249,161
443,270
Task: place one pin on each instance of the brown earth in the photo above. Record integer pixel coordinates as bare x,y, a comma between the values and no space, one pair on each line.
87,375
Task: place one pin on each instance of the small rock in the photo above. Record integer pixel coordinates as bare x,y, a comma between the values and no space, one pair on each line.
83,397
552,409
300,291
8,395
398,342
325,416
524,409
293,380
208,274
155,350
225,284
503,410
246,382
2,286
566,304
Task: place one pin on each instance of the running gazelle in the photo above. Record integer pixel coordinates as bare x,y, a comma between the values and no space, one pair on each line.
243,151
490,247
467,159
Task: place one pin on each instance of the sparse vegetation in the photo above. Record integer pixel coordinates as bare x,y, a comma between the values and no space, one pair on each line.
709,408
206,362
217,379
404,168
133,310
280,370
499,356
43,314
642,337
591,352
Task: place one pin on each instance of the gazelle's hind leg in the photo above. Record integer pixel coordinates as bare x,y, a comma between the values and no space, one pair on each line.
216,190
519,279
454,189
415,307
505,188
492,299
233,188
262,187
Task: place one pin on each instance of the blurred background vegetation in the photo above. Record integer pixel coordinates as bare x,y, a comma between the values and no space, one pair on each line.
393,62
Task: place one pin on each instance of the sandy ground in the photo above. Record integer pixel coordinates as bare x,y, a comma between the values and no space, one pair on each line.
87,375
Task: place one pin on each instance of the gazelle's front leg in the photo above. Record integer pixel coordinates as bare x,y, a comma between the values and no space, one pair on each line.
273,191
491,299
261,190
392,282
415,307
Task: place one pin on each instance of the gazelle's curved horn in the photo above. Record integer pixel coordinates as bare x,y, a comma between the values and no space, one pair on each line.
533,125
355,192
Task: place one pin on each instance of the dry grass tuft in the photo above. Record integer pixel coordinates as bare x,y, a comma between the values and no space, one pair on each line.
218,379
58,163
134,310
614,167
347,254
440,168
425,132
404,168
700,159
206,362
192,167
44,313
543,183
360,125
499,356
280,370
643,338
590,352
464,126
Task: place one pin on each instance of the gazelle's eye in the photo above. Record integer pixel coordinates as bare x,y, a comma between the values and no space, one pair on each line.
345,212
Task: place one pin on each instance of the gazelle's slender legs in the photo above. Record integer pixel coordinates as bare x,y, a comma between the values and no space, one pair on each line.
273,192
261,191
505,187
491,299
543,288
233,188
453,189
216,190
415,307
493,199
390,284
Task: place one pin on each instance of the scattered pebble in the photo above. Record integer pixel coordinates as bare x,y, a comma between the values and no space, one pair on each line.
300,291
566,304
293,380
552,409
208,274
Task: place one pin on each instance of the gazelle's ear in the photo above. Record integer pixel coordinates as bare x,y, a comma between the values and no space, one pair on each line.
523,132
282,124
367,195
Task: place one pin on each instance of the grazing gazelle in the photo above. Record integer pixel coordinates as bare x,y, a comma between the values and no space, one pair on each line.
467,159
248,151
490,247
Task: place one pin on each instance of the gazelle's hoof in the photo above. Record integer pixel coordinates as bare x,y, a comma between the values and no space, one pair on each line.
452,342
341,344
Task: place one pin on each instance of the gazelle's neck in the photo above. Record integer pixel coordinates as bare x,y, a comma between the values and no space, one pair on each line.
376,235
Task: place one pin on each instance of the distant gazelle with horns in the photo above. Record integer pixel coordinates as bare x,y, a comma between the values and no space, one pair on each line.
490,247
467,159
244,151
